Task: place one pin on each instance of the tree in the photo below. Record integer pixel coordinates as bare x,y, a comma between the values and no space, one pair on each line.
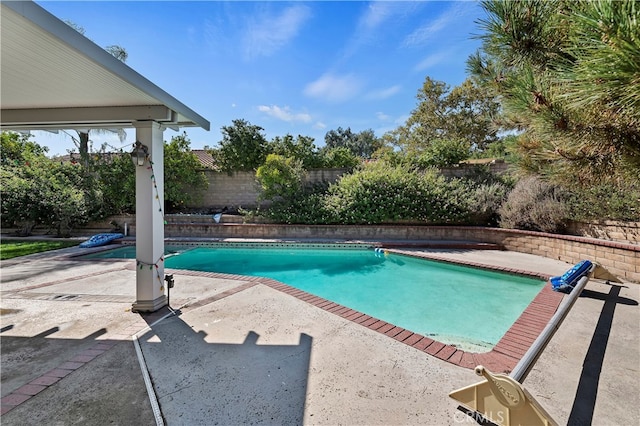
362,144
465,113
16,148
243,147
38,191
340,157
567,75
83,141
301,148
184,179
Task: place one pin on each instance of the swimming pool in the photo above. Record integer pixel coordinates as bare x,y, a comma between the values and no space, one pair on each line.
457,305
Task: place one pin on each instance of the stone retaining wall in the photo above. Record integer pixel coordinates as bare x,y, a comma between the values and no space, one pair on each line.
628,232
622,260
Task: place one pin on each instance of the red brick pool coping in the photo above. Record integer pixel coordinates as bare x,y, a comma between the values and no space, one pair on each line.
502,358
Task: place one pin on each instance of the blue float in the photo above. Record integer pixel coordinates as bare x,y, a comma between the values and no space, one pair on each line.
569,279
101,239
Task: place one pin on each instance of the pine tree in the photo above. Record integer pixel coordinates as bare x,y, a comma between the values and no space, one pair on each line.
568,77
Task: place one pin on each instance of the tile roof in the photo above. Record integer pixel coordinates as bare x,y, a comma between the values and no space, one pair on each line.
205,159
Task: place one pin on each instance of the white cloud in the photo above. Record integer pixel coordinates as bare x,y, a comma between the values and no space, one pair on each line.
333,88
370,22
401,120
431,61
382,116
377,13
422,35
284,114
266,34
319,125
384,93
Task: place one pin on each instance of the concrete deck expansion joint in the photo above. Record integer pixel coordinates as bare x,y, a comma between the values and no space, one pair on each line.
153,399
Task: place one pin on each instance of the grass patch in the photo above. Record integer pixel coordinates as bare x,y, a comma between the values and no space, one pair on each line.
11,249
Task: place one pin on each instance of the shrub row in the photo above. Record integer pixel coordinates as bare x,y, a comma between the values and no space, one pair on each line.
382,192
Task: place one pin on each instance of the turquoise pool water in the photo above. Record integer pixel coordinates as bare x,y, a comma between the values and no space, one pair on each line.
470,308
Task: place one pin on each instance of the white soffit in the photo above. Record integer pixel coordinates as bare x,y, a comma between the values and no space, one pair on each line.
51,76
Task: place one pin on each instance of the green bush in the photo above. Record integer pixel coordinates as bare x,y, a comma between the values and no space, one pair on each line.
443,153
116,177
307,207
46,193
607,200
339,157
301,148
184,180
280,177
378,193
381,193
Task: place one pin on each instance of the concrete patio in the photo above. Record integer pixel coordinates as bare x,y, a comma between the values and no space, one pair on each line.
238,352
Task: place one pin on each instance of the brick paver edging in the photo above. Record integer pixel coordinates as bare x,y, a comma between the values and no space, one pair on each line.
502,358
34,387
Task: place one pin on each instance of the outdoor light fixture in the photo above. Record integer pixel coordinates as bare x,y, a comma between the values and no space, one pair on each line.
139,154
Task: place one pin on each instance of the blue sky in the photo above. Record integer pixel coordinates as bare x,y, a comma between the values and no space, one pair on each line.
289,67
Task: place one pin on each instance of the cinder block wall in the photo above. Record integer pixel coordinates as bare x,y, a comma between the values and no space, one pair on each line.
237,190
241,189
461,170
621,259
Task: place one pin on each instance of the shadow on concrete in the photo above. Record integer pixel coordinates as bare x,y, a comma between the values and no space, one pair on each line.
26,358
202,382
108,389
584,403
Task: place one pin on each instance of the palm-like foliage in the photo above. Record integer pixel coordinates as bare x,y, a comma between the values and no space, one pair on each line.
83,141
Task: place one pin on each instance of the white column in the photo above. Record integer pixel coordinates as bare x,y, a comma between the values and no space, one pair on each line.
150,283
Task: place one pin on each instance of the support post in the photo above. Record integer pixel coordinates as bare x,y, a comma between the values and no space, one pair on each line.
150,220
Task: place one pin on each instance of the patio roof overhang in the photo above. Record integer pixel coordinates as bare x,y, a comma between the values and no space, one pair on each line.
52,77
